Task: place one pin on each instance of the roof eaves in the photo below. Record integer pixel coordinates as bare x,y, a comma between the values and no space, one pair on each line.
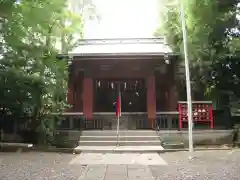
121,54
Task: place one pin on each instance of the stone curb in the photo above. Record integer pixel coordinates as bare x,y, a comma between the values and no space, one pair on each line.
196,149
37,149
117,151
57,150
73,151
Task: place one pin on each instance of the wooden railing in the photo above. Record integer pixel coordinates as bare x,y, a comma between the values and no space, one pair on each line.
76,121
167,120
108,120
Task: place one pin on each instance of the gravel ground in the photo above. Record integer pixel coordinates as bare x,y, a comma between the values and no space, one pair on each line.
205,165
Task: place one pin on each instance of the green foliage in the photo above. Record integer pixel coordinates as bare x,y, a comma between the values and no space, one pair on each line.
33,82
70,30
213,46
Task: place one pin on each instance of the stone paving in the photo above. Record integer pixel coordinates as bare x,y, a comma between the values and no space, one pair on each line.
119,158
175,165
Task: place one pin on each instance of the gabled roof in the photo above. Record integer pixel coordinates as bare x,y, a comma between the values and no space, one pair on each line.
129,46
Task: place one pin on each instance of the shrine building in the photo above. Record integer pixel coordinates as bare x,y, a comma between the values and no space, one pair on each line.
142,70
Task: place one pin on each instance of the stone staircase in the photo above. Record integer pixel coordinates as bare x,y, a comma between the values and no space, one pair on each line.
128,139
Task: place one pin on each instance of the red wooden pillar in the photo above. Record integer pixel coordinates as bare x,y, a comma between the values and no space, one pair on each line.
79,93
151,99
87,97
172,95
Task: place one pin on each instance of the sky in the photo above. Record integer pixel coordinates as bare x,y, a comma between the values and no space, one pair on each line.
123,19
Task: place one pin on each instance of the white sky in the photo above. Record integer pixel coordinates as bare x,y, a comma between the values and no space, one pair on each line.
123,19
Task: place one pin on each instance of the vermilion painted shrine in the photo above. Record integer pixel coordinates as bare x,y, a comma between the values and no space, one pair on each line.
143,70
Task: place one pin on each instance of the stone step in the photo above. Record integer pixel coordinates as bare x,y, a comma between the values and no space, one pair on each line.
121,143
173,145
121,138
121,133
118,149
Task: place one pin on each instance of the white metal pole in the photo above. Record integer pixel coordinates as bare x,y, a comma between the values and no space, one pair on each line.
118,131
188,82
118,114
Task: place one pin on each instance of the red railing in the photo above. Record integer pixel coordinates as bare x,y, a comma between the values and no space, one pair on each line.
201,112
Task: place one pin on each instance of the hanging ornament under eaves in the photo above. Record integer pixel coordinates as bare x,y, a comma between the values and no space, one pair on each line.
112,85
99,84
166,59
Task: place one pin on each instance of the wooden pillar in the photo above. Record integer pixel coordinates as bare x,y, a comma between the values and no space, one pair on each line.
151,99
172,95
172,98
79,92
87,97
70,92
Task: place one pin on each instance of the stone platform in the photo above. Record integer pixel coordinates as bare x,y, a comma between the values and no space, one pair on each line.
138,138
118,149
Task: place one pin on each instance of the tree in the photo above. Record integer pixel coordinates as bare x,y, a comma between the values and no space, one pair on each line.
86,8
70,30
212,42
33,82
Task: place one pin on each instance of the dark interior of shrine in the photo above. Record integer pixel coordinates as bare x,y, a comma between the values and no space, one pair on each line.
133,95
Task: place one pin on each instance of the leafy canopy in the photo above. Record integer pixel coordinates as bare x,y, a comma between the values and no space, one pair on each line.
33,82
213,42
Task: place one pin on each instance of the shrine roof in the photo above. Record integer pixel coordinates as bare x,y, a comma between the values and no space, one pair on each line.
129,46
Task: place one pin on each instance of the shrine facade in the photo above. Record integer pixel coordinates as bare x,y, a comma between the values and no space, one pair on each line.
142,70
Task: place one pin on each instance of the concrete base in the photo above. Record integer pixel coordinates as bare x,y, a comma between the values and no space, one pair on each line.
200,137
